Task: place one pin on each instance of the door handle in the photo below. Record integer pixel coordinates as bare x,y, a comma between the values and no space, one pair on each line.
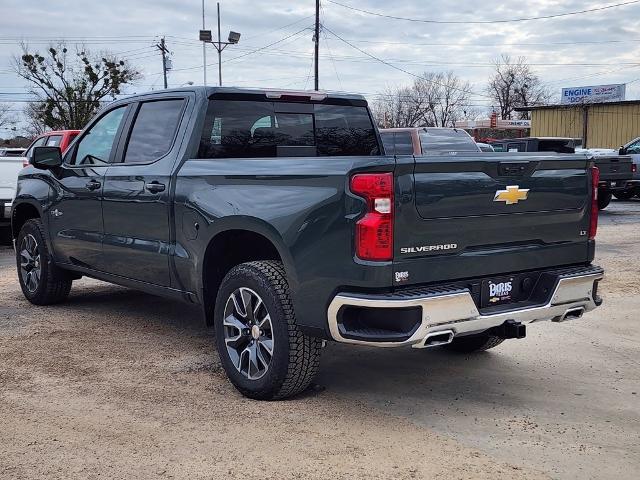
93,185
155,187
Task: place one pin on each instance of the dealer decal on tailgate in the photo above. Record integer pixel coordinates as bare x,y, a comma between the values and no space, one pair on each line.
500,292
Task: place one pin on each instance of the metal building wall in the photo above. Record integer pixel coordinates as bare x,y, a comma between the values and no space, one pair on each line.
557,122
609,126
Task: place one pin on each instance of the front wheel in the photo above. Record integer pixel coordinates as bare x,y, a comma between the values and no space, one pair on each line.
474,343
261,348
41,281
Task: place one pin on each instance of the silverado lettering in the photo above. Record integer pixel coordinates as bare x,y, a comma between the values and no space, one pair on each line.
429,248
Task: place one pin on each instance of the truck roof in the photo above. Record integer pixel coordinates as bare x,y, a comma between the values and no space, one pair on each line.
412,129
274,93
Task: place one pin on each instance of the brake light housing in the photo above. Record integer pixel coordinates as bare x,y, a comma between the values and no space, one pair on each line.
595,210
374,231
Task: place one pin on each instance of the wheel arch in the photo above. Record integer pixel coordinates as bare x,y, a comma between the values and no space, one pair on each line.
21,213
239,242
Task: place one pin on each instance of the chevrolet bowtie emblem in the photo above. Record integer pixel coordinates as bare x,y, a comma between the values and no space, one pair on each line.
512,195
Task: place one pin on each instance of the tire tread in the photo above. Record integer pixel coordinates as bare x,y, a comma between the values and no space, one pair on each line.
304,351
57,283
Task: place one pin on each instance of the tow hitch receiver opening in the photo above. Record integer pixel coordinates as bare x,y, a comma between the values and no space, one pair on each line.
510,329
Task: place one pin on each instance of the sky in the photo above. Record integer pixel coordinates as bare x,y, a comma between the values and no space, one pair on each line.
276,48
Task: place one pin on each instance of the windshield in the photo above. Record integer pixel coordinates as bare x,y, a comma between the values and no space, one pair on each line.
438,140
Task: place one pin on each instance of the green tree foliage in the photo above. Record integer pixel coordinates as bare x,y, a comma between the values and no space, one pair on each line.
71,87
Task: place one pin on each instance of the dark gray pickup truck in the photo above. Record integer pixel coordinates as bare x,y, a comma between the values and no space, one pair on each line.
278,214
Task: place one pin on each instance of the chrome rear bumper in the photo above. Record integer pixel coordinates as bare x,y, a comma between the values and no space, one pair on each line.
457,312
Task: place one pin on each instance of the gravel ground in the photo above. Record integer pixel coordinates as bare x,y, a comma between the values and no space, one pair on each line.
119,384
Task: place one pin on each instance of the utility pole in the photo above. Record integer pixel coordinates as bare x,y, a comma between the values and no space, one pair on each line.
204,50
317,47
163,51
219,50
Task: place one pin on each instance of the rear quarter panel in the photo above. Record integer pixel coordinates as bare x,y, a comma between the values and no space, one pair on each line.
301,205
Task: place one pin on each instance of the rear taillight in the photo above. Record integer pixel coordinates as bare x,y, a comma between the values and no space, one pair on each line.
374,231
634,168
595,211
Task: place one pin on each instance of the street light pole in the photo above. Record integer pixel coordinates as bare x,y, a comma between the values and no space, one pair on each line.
206,37
204,50
317,47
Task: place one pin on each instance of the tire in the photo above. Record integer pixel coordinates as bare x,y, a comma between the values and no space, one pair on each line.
604,199
625,195
285,360
474,343
41,281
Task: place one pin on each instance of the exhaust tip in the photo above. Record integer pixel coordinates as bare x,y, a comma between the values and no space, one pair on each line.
572,314
436,339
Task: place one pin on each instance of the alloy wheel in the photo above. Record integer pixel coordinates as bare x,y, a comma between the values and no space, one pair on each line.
30,264
248,334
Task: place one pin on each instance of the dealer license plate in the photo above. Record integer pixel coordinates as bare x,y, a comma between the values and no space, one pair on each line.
498,291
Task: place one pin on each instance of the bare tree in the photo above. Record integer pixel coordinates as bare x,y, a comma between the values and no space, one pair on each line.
397,107
446,98
33,115
5,115
513,85
434,100
71,87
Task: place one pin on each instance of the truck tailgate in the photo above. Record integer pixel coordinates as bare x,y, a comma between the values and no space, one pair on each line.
466,216
614,168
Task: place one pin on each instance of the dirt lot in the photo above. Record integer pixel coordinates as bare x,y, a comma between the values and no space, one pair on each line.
119,384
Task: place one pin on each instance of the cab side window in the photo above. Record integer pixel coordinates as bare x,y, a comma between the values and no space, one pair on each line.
54,141
634,148
154,130
95,146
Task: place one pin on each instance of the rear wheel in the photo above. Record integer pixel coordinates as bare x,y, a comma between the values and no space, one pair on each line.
474,343
604,199
261,348
625,195
41,281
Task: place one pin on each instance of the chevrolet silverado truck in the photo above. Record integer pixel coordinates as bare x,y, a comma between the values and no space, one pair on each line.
278,214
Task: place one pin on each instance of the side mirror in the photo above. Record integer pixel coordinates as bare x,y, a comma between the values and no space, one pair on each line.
622,151
45,158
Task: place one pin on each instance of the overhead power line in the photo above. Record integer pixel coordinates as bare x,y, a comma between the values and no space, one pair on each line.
484,22
364,52
504,44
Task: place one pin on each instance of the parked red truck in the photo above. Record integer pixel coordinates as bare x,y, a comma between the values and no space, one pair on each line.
56,138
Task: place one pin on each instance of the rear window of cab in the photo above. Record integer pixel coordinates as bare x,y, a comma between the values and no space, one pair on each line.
258,129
